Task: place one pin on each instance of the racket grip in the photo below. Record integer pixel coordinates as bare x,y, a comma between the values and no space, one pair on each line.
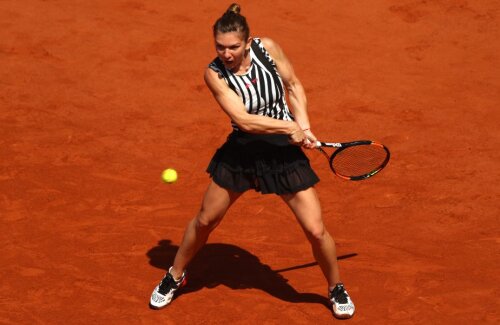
318,144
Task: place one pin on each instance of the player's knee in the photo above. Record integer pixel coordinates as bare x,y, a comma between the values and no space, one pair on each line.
316,234
207,221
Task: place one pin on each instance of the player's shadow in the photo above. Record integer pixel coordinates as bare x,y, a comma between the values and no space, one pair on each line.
229,265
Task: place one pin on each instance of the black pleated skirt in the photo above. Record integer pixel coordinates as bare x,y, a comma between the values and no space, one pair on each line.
267,163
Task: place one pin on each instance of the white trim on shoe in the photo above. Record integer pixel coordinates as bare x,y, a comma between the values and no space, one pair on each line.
160,300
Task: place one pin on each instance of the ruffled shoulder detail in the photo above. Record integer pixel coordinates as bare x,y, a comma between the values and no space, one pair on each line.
258,41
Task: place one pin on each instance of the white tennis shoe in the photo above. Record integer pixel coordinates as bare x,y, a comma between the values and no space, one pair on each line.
342,304
164,292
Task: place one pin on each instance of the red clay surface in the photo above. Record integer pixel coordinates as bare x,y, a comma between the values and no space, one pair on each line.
98,97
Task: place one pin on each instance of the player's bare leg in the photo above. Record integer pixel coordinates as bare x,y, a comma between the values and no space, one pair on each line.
307,209
305,204
215,204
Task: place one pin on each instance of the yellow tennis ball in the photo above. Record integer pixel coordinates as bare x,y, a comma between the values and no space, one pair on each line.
169,175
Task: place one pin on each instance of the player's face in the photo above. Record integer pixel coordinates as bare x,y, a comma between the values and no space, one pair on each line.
231,48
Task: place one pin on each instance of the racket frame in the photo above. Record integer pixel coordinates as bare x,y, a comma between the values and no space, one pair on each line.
340,146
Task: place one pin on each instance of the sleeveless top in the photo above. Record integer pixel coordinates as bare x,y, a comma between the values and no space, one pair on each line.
261,93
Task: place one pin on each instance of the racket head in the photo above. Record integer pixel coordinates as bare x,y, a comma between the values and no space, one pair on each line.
359,160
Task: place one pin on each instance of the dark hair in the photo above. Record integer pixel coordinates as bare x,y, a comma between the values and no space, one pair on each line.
232,21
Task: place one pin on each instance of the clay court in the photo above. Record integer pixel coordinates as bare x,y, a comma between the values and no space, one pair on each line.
98,97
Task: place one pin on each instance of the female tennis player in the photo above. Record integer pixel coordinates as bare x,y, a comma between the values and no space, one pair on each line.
248,80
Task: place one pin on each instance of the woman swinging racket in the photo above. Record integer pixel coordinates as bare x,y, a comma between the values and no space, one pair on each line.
263,152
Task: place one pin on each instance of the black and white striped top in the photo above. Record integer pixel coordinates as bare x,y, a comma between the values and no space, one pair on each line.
257,88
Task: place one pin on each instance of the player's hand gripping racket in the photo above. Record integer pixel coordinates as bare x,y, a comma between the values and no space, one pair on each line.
356,160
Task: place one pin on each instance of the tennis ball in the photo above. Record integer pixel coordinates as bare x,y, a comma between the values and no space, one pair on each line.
169,175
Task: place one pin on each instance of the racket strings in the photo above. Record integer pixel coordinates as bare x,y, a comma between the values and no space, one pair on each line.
359,160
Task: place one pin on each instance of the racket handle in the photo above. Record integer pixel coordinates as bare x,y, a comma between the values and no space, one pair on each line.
318,144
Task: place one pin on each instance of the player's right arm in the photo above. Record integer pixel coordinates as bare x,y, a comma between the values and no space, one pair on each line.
232,105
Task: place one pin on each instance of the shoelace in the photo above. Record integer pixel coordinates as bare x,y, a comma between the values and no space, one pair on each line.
167,284
339,294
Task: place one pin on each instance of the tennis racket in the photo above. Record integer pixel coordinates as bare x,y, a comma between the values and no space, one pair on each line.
356,160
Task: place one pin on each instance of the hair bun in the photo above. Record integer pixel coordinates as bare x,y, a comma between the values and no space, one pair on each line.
234,8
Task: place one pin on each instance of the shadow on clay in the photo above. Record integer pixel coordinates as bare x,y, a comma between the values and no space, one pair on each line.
229,265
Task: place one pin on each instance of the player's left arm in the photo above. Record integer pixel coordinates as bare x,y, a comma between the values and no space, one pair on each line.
296,93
